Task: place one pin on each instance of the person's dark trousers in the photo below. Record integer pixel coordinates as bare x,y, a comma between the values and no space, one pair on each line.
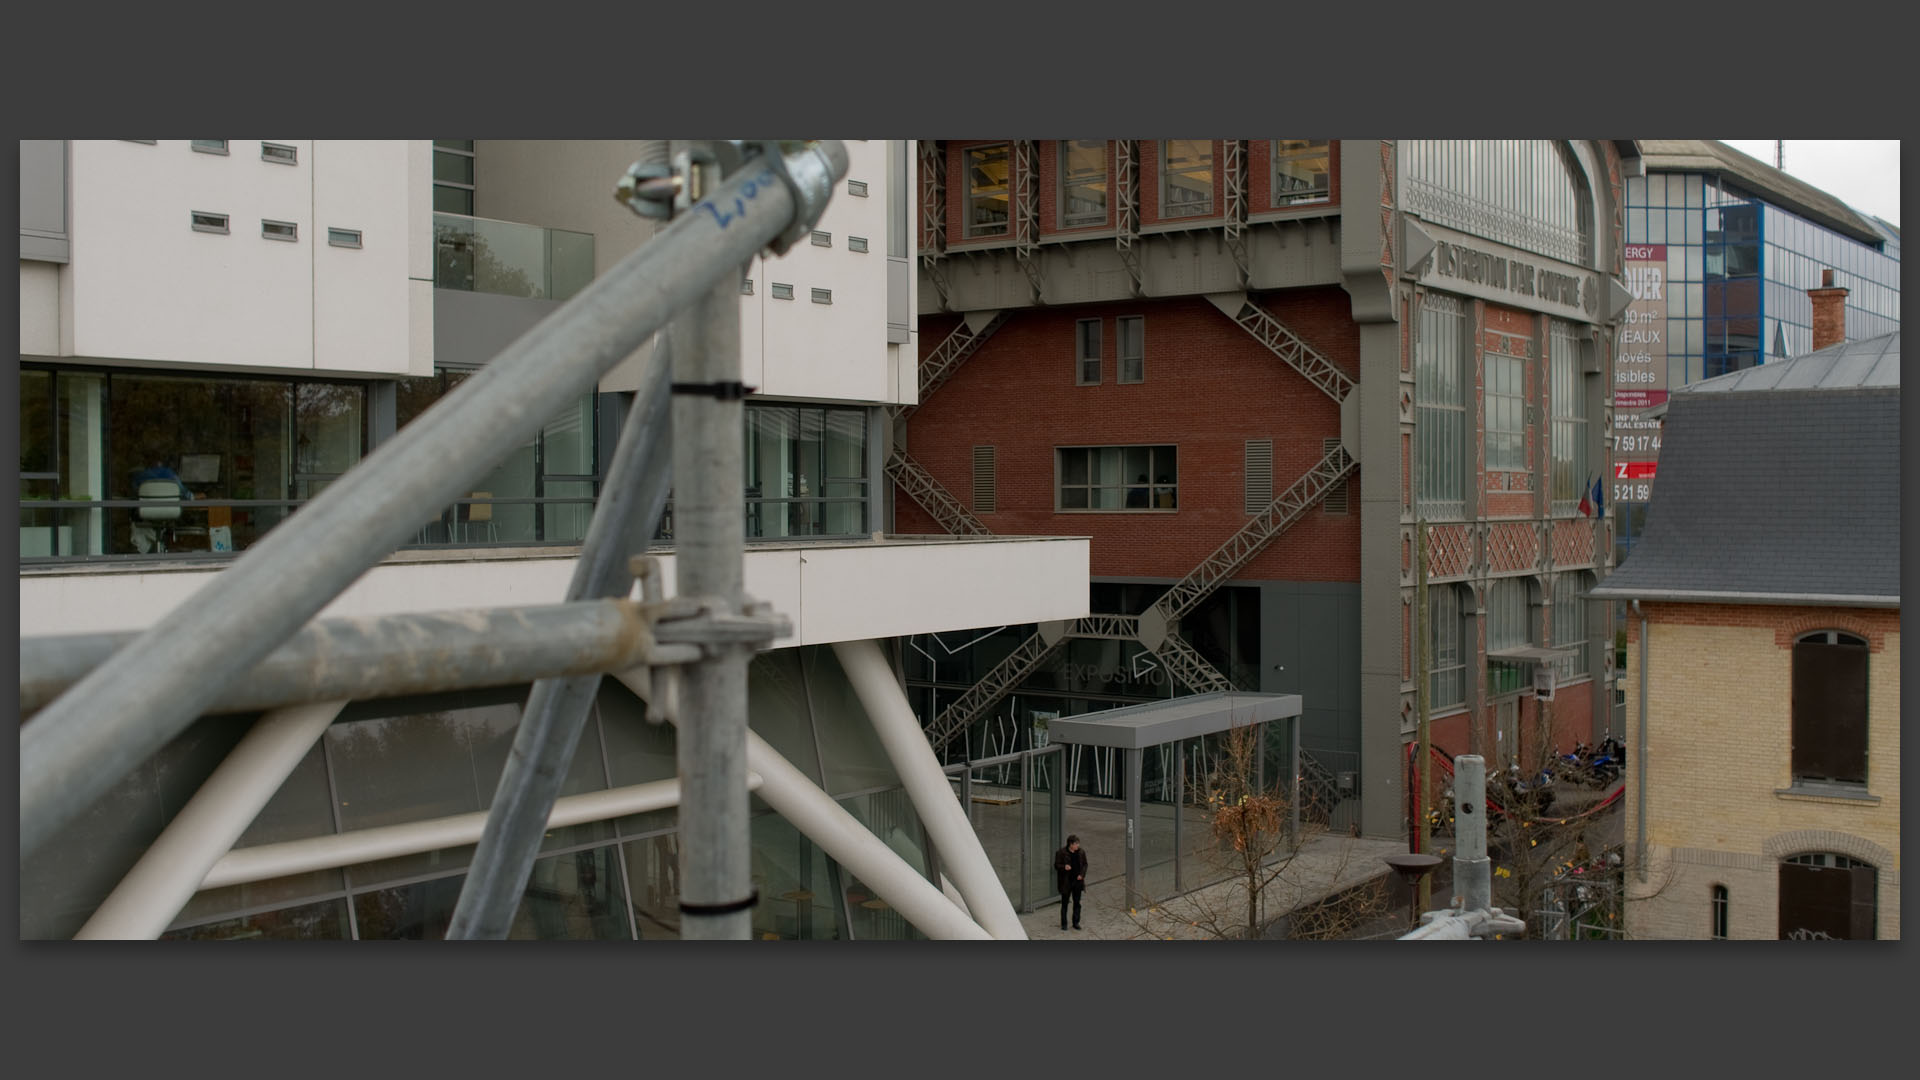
1071,896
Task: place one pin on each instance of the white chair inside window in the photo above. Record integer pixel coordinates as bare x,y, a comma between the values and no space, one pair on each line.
480,514
159,520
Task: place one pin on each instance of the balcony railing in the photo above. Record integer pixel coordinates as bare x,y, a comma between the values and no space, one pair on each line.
509,259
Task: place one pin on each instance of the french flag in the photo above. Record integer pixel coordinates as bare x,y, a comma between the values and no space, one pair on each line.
1588,497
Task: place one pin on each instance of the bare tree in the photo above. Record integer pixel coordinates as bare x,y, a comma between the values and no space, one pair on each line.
1253,869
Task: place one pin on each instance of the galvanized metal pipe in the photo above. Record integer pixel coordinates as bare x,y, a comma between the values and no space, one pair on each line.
386,656
267,861
1640,796
847,842
167,876
944,819
716,891
556,712
1472,872
127,709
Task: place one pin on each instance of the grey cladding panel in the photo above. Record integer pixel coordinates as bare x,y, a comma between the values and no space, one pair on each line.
43,200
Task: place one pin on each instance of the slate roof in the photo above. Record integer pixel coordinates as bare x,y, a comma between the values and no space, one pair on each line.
1778,488
1759,178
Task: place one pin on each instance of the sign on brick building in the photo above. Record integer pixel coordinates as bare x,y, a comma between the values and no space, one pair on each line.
1640,374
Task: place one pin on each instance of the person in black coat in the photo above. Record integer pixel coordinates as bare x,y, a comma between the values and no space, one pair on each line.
1070,867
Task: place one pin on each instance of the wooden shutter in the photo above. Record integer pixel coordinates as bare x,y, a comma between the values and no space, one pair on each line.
1830,712
985,484
1259,494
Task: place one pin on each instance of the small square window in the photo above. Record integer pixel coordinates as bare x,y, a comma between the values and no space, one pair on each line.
857,243
746,286
857,188
823,296
143,142
822,239
211,223
210,146
280,152
346,238
279,230
782,292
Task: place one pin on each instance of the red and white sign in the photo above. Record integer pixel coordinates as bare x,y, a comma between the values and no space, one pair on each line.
1640,372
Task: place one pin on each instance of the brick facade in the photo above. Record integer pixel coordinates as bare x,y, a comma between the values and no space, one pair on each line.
1210,387
1719,691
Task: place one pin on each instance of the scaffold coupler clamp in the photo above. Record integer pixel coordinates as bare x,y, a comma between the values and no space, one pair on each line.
808,177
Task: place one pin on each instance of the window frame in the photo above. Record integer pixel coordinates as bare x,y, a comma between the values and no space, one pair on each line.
1139,356
1568,391
1502,406
1569,620
1161,497
1088,332
1717,928
473,173
1199,210
1441,450
1446,644
1806,755
1069,181
970,194
1322,148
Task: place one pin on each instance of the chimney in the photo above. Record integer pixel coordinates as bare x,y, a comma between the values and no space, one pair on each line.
1829,312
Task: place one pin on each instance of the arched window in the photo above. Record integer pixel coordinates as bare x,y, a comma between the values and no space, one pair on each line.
1830,708
1825,896
1528,193
1719,927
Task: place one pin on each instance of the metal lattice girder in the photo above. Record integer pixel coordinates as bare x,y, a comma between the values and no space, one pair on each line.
933,213
1026,213
1235,223
1187,665
1126,189
1242,546
1285,344
993,686
922,488
1106,627
954,350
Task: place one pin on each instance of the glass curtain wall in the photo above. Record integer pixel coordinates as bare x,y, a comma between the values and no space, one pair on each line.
141,463
394,763
806,471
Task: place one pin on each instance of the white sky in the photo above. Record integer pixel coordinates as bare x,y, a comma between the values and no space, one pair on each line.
1864,174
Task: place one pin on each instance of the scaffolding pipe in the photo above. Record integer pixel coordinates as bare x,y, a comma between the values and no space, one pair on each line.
912,757
1472,872
206,828
266,861
716,876
851,845
128,708
362,658
556,711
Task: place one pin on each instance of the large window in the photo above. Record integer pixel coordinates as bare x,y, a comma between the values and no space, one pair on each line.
1509,626
1302,171
541,492
1531,193
1567,387
986,172
1447,652
1506,428
806,471
1083,183
1118,477
1830,708
142,463
1186,177
1440,415
1570,624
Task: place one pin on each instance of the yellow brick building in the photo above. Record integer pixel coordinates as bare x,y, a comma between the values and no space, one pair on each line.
1763,791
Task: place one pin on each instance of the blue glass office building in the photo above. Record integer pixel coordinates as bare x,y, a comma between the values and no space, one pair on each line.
1743,243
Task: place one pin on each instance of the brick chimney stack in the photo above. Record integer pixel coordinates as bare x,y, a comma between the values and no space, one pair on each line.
1829,312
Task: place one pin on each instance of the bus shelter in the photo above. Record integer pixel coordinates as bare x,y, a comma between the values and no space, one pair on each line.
1158,835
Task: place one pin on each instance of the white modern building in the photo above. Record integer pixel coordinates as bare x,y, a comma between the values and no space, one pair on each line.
214,330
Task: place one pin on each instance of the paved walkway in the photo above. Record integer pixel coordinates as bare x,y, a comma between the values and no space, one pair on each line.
1324,865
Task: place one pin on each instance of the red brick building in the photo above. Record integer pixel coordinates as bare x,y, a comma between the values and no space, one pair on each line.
1247,369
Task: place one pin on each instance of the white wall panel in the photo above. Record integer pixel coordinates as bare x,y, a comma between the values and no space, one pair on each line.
39,308
831,593
362,299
